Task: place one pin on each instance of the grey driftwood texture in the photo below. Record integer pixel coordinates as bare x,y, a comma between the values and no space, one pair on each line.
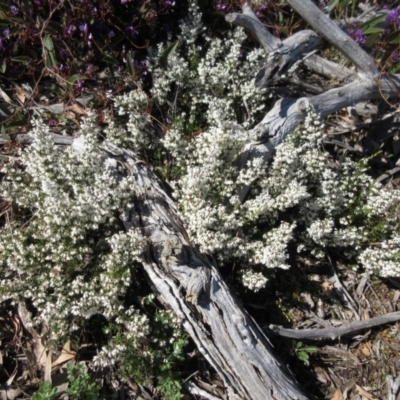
190,285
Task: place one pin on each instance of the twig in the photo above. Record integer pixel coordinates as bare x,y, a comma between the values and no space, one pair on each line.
334,333
343,293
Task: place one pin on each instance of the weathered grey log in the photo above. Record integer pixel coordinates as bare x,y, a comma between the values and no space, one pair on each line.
250,21
393,386
189,284
25,138
291,50
329,69
284,57
334,333
333,34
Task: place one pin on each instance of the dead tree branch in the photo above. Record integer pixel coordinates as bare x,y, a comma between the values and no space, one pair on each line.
348,330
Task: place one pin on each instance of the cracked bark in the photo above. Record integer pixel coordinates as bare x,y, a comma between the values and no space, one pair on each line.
189,284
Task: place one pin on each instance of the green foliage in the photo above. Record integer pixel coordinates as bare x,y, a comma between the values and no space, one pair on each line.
81,386
303,352
45,392
169,384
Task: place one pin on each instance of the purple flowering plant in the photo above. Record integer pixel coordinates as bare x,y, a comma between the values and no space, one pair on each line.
379,34
78,32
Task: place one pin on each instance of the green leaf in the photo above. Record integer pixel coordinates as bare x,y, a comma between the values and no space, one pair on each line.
372,29
394,37
332,4
129,63
110,60
21,59
372,22
395,68
163,60
50,54
17,19
372,39
48,43
310,349
303,357
3,67
72,79
3,134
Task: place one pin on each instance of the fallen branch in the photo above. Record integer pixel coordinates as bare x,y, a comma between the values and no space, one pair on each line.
334,333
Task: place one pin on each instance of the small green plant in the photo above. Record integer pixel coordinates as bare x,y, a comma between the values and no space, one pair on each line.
45,392
170,384
303,352
81,385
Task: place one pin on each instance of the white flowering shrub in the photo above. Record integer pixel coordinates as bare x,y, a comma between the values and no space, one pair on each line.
66,251
304,197
324,206
68,256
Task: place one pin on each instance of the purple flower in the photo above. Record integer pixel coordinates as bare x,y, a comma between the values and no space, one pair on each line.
111,34
83,27
37,2
395,56
168,3
6,33
393,15
357,35
323,4
124,1
79,84
131,30
52,122
70,29
220,7
260,10
14,10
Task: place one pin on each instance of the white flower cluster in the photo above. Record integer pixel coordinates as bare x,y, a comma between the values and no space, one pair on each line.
254,280
212,79
70,259
138,133
274,252
328,204
383,260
